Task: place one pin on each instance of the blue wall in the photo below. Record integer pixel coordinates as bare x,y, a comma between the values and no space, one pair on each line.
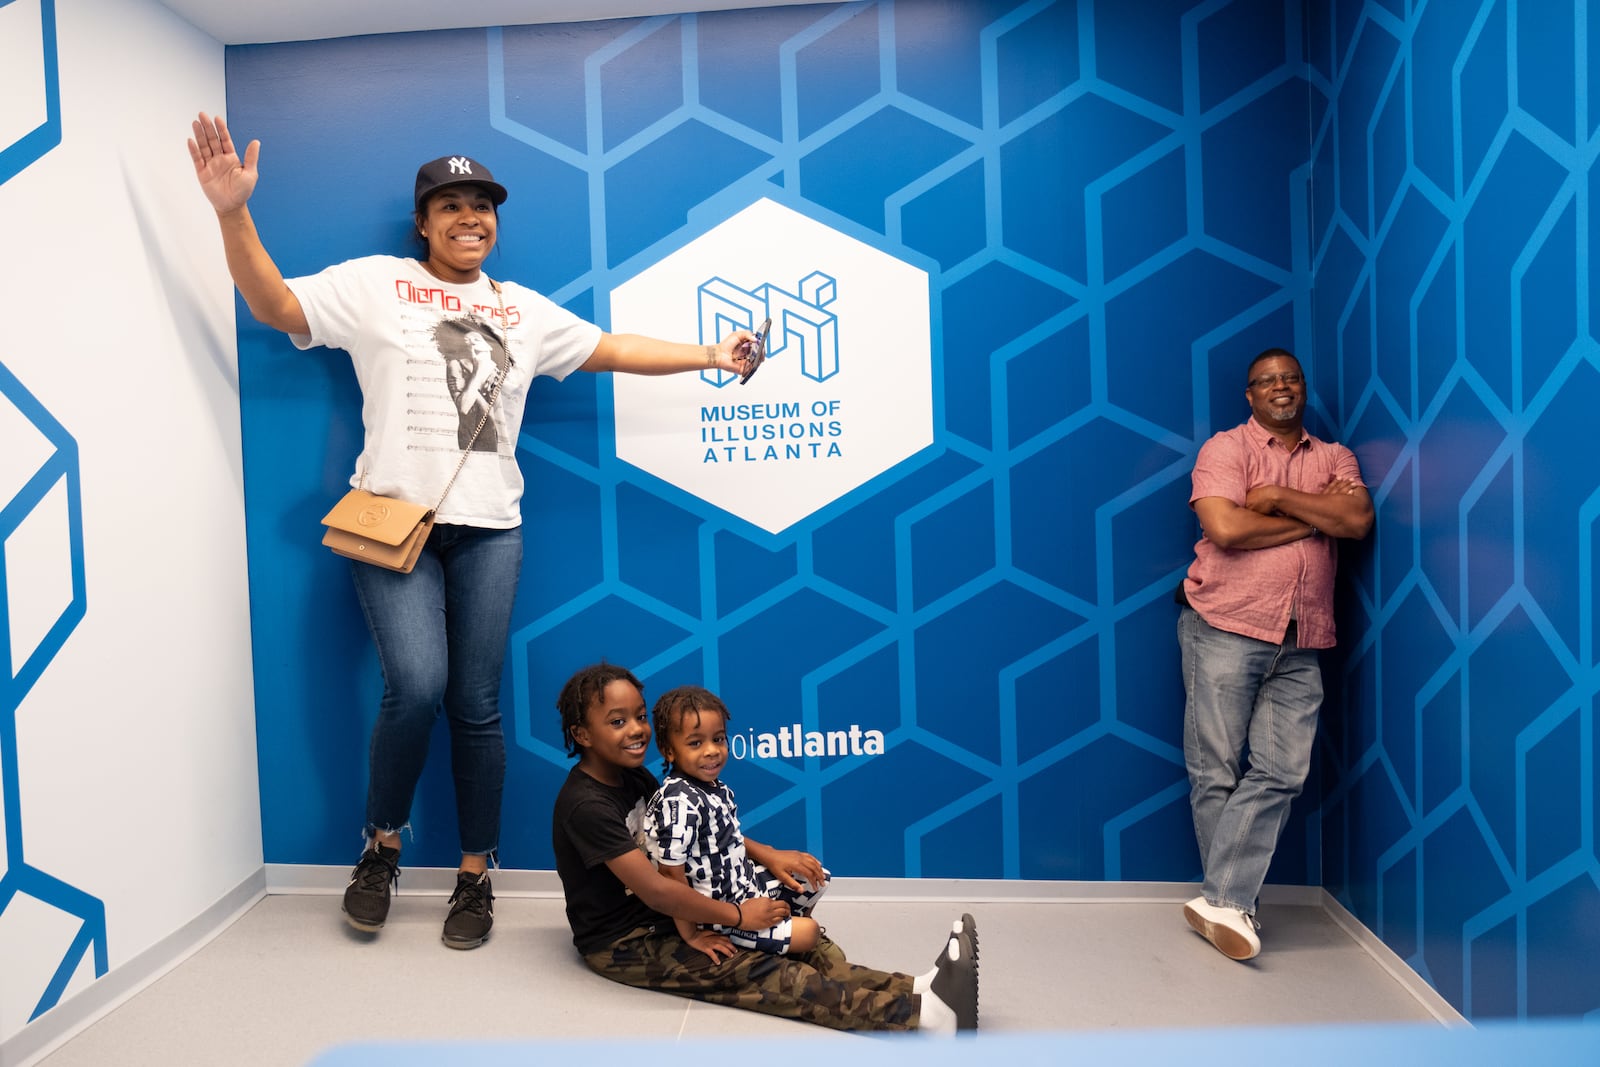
999,605
1452,153
1118,205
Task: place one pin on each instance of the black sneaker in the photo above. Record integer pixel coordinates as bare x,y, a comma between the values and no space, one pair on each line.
366,898
955,981
471,911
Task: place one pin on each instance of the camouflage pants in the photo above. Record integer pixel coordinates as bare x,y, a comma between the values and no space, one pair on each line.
820,986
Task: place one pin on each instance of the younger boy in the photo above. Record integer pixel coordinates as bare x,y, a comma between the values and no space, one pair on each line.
618,905
692,827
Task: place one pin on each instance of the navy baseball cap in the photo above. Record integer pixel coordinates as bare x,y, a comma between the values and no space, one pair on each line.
456,170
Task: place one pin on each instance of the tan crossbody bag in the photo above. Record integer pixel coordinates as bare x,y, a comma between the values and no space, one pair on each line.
386,531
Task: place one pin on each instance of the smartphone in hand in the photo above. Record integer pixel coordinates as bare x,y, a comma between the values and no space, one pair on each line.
754,353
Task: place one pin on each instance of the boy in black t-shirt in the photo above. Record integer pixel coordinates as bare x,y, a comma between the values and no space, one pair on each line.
618,905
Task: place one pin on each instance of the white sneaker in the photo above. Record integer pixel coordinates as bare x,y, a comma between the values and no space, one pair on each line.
1229,929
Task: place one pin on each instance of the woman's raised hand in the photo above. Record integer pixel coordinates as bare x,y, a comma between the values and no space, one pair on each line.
225,180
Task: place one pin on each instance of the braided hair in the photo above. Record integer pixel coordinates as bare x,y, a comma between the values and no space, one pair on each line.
582,690
673,707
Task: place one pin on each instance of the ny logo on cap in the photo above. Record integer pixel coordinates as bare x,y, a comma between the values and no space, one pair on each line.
460,165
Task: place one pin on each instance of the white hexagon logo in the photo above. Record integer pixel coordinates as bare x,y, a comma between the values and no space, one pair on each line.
845,394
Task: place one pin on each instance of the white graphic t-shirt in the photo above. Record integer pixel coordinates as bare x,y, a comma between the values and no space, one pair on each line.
426,354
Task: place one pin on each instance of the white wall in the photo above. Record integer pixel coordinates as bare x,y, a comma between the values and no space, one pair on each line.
136,748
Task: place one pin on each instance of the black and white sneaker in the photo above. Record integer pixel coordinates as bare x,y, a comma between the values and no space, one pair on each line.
955,979
366,898
471,911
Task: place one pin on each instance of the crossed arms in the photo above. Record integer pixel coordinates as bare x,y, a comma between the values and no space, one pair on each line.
1276,515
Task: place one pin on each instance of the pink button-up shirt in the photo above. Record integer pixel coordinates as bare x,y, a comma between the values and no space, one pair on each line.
1255,592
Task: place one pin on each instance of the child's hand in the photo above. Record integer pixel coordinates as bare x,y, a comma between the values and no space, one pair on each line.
759,913
713,944
793,864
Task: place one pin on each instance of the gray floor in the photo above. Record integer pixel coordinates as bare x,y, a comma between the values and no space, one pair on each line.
289,980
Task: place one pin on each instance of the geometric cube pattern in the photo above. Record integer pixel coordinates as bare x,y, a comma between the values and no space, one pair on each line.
982,527
998,606
1117,205
1453,177
30,107
46,926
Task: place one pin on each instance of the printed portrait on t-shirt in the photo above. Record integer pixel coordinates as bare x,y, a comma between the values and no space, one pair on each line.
473,357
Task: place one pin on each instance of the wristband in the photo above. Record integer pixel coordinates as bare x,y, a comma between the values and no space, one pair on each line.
711,357
739,923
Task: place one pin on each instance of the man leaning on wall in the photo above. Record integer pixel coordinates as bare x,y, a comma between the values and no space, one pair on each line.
1257,605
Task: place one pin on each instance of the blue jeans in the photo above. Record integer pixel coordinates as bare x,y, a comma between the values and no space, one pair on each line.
441,635
1240,690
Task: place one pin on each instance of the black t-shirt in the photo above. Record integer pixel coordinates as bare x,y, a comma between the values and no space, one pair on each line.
594,823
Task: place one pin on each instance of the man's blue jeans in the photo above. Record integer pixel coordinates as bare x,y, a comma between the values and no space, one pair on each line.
441,636
1240,691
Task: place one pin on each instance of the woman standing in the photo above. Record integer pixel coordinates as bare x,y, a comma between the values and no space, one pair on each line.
440,630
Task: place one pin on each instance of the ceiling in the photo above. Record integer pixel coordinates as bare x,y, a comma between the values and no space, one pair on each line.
233,22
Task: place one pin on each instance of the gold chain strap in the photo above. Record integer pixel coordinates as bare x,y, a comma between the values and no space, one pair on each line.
494,391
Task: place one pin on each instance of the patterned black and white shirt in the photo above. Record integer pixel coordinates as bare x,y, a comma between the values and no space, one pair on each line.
696,826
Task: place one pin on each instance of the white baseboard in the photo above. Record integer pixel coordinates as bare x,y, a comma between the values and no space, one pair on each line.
1396,967
126,980
317,879
287,878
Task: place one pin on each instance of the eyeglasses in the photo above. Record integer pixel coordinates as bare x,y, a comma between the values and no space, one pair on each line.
1261,380
754,353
